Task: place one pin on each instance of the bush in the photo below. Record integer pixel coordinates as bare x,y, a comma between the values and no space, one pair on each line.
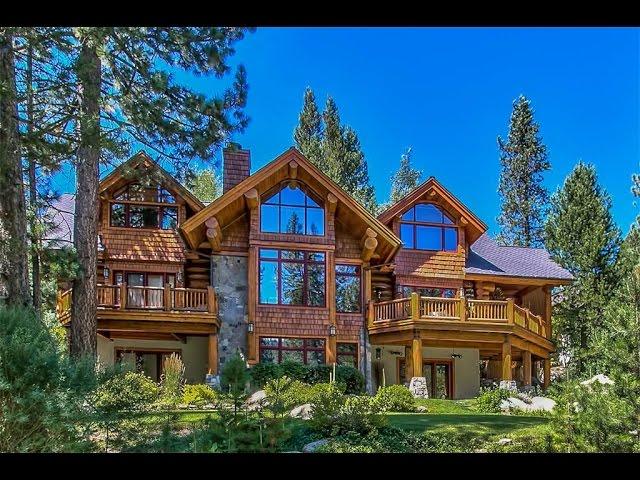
490,398
126,391
42,392
318,374
294,370
351,377
199,395
261,373
172,381
291,393
395,398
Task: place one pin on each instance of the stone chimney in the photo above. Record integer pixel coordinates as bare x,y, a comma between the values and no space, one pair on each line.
236,166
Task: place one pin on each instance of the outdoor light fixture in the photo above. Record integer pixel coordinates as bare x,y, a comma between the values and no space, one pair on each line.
250,327
106,272
179,276
455,355
378,353
332,330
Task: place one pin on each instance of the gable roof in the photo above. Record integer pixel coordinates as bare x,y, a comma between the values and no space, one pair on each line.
141,158
231,203
61,215
486,257
475,227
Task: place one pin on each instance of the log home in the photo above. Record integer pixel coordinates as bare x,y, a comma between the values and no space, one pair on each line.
287,266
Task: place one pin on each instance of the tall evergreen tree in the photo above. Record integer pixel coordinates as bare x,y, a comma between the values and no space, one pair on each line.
14,270
205,185
403,181
582,237
523,158
308,133
334,148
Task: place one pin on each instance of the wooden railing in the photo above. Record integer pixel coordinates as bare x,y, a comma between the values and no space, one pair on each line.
129,297
457,310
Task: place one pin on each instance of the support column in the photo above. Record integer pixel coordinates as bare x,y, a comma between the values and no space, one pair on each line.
408,363
332,349
526,365
506,360
213,354
416,354
534,369
547,373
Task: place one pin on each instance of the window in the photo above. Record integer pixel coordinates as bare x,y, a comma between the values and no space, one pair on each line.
126,213
292,277
348,288
347,354
428,291
292,210
427,227
309,351
144,290
151,363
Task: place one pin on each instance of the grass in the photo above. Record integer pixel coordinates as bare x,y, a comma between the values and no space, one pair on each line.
437,405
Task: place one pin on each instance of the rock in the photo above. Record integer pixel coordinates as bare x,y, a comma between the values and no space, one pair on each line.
513,403
509,385
542,404
536,404
301,411
418,387
313,446
600,378
422,409
505,441
256,400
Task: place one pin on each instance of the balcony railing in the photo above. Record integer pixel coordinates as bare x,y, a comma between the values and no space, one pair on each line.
438,309
129,297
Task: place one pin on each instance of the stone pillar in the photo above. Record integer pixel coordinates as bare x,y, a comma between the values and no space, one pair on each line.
526,365
365,360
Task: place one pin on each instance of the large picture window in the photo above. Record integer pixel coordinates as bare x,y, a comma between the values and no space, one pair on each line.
309,351
347,354
426,227
348,292
292,277
291,210
128,209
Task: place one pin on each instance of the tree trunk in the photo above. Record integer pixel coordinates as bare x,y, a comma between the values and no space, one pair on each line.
13,215
83,306
33,192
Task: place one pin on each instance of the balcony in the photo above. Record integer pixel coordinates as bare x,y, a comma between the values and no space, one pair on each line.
118,301
473,317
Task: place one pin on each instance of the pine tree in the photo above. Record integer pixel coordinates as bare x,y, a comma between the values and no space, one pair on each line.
523,158
334,148
308,133
205,185
403,181
582,237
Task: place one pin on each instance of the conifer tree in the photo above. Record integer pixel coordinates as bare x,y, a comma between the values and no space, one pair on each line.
205,185
335,149
582,237
403,181
523,158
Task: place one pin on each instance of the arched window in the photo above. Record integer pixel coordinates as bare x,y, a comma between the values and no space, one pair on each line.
426,227
141,206
291,210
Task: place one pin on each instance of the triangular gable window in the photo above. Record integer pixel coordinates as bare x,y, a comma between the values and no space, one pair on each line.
292,210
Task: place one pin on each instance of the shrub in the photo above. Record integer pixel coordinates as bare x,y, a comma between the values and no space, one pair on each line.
490,398
261,373
294,370
318,374
172,381
291,393
42,392
395,398
126,391
351,377
199,395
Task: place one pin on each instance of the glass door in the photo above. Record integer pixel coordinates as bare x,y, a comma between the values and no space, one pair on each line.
438,374
155,295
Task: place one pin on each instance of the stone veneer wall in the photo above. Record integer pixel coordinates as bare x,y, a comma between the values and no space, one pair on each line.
229,278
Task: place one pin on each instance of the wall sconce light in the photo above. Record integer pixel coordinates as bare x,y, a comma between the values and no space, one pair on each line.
106,272
456,355
250,327
179,277
332,330
378,353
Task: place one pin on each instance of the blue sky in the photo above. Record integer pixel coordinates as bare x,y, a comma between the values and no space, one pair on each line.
448,93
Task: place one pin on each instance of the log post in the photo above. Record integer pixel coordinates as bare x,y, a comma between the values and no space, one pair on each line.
547,373
123,296
212,306
370,314
166,297
506,360
332,346
213,354
416,353
415,306
510,311
526,366
463,308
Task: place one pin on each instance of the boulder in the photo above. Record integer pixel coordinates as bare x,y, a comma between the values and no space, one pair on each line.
256,400
600,378
313,446
536,404
301,411
542,404
505,441
418,387
422,409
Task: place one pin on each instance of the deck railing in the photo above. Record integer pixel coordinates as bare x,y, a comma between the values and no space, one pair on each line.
436,309
129,297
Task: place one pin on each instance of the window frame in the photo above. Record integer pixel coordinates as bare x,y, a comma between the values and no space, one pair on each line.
357,275
308,192
415,288
354,355
305,282
160,206
414,224
304,349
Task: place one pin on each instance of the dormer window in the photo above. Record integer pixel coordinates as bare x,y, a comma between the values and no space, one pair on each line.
426,227
139,206
292,210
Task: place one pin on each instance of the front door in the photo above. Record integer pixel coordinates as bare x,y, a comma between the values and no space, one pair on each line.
438,373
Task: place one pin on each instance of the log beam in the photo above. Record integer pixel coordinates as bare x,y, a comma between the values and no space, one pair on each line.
251,198
293,169
214,233
332,203
368,248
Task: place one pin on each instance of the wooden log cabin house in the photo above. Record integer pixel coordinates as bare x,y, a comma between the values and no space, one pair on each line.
287,266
